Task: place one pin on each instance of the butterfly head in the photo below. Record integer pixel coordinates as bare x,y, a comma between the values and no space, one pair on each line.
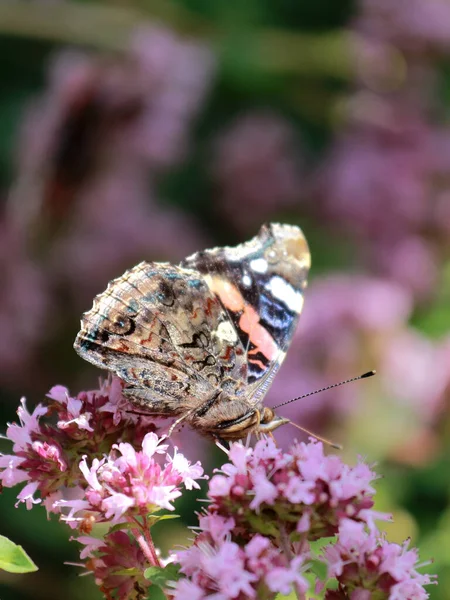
270,421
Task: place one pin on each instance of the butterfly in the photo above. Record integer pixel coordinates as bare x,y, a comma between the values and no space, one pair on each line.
202,341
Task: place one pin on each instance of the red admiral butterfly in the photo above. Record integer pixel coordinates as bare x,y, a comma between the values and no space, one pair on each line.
202,341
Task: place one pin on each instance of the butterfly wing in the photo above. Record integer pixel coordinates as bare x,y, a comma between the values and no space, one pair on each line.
165,333
260,284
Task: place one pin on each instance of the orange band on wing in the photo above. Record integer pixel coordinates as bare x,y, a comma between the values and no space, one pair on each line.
233,300
259,336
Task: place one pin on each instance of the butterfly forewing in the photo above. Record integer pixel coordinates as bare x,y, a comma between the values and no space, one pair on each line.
260,284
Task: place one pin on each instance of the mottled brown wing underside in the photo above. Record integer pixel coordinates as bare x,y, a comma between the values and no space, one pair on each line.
161,329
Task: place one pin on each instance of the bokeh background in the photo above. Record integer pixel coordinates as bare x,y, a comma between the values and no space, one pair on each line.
148,129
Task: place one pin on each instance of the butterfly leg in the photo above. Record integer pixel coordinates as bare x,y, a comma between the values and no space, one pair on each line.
197,410
180,420
272,437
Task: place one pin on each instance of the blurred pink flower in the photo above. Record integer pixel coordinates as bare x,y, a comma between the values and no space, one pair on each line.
376,179
412,261
25,305
92,149
412,25
415,370
344,319
177,75
257,167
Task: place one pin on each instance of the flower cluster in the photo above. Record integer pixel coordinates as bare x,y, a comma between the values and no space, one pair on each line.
266,509
118,565
216,566
133,482
91,150
47,455
306,491
363,561
385,178
91,459
97,465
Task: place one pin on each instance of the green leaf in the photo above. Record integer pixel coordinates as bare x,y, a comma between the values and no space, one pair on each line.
319,544
130,572
263,525
291,596
161,575
153,519
13,558
156,593
121,527
319,569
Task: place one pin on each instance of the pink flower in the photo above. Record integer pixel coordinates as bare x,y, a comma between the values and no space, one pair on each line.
189,589
189,472
29,424
227,568
11,474
91,545
27,495
135,483
263,489
281,579
360,558
49,456
218,527
298,491
221,568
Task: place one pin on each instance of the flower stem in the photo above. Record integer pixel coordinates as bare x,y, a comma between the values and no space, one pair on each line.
286,547
151,545
144,547
145,541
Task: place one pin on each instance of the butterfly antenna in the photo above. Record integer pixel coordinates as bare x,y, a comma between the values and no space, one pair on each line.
328,387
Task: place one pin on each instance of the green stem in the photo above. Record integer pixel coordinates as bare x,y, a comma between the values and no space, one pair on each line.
110,28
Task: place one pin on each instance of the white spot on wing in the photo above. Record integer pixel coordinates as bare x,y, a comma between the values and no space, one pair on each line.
226,332
283,291
259,265
246,280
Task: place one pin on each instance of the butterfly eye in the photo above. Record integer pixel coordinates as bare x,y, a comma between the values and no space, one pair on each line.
267,415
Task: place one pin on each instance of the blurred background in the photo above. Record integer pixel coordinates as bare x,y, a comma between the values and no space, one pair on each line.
147,129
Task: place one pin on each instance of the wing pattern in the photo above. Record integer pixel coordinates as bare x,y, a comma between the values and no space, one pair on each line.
261,285
156,328
220,322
